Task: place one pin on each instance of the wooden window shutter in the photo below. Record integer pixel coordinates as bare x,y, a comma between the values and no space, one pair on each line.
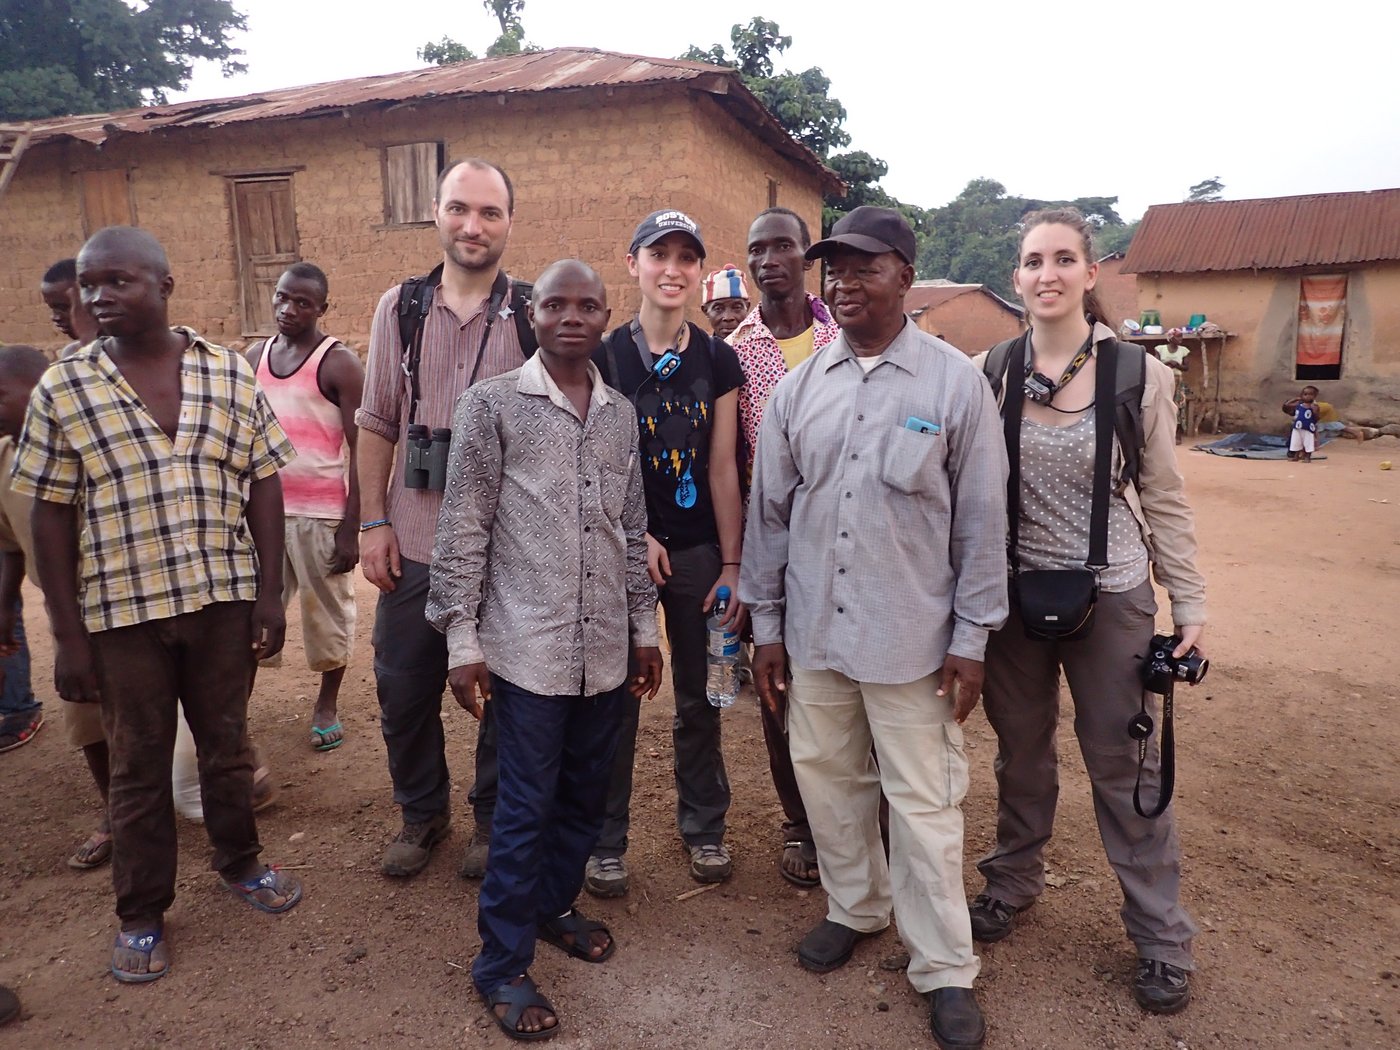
106,199
410,181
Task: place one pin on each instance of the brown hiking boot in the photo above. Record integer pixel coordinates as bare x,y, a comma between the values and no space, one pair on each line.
408,854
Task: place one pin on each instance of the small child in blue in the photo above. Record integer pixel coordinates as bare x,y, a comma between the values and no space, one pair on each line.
1303,437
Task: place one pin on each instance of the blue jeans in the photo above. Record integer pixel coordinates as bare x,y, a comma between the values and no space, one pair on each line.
17,695
555,756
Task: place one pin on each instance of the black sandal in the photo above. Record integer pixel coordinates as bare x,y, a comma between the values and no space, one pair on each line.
580,929
520,997
807,853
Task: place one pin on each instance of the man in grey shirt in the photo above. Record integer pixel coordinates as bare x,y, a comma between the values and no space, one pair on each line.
875,563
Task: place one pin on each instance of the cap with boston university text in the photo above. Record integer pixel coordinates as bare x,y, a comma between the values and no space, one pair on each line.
659,223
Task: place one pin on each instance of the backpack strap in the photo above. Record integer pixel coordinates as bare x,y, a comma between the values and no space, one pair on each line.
994,365
415,300
1130,381
520,293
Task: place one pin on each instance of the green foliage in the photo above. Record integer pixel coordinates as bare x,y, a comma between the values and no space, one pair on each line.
1210,189
71,56
444,52
974,237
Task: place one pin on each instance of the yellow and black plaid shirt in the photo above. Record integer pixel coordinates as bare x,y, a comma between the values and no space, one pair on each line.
163,525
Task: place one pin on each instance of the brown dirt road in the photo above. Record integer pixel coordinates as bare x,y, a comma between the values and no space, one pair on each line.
1287,801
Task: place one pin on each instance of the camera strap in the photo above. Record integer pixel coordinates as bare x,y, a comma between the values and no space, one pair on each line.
1104,397
1071,370
416,308
1140,729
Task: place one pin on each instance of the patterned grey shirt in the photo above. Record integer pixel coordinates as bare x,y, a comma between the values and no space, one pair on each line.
540,564
872,549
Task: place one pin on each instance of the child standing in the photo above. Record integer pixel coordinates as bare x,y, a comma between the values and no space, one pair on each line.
1302,439
314,382
161,447
538,580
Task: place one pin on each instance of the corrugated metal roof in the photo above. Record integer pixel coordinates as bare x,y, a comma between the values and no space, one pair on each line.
1276,233
925,295
558,69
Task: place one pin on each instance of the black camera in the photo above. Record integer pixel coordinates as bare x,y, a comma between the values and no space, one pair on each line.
1039,388
1163,670
425,458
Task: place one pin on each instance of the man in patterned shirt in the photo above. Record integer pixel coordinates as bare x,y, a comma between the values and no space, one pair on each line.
539,579
159,451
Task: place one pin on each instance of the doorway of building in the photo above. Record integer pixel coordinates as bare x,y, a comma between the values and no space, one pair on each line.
265,235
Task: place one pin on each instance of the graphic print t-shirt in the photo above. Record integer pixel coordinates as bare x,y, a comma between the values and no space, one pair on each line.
675,416
1305,416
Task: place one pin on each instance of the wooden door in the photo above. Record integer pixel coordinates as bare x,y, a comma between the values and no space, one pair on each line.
265,228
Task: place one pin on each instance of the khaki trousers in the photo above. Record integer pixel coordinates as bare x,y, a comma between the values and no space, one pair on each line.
922,767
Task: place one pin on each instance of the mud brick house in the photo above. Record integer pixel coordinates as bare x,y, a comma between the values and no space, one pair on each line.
342,174
1308,287
1116,291
970,316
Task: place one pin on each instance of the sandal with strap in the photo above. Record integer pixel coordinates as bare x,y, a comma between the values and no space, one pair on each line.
520,997
581,929
807,855
272,879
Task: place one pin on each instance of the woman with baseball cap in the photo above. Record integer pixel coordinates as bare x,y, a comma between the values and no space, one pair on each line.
684,384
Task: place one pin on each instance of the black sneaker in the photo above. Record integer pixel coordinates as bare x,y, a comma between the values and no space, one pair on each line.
956,1019
992,919
1161,988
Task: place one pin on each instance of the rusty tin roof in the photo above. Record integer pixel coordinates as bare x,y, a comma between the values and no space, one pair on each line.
558,69
925,295
1275,233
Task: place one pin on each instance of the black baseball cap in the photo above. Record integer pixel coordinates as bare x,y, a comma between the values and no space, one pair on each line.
659,223
869,229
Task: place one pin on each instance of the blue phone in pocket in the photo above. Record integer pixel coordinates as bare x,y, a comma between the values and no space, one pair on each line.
921,426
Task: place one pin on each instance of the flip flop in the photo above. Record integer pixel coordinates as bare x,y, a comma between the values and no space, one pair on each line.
146,944
318,737
272,879
91,854
520,997
19,730
575,925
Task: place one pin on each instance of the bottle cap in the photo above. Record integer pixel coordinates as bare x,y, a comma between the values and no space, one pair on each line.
722,595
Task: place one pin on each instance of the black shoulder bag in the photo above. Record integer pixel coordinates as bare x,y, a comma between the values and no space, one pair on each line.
1057,605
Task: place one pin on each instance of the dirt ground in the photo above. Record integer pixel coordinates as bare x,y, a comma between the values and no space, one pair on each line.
1286,798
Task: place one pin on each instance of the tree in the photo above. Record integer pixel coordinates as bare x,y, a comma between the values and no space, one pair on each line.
973,238
88,55
510,42
444,52
1211,189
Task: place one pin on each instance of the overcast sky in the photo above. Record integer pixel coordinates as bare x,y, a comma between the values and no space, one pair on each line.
1053,100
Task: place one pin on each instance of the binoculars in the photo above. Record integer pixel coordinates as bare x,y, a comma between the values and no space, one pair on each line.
425,458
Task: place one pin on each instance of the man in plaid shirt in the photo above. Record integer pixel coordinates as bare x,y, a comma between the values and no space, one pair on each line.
152,457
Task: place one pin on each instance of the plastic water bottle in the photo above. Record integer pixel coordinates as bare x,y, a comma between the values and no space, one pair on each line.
722,665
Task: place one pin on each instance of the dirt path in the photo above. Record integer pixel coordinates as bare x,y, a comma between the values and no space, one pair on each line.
1287,798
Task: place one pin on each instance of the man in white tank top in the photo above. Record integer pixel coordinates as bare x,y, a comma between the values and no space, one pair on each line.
313,382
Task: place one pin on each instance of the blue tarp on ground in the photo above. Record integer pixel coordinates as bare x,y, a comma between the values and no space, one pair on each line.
1255,446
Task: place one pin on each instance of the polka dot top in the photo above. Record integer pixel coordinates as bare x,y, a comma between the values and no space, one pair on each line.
1057,494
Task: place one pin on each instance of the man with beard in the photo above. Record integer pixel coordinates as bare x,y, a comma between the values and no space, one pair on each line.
460,331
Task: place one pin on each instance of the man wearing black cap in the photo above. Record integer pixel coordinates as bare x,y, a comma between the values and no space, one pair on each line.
875,566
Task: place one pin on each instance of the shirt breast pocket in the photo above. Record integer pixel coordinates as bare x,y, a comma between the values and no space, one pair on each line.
613,472
915,463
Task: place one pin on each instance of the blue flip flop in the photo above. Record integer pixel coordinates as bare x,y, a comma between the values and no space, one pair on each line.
271,879
145,943
323,733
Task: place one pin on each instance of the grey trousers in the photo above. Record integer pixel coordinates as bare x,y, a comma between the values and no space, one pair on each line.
1021,699
410,672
